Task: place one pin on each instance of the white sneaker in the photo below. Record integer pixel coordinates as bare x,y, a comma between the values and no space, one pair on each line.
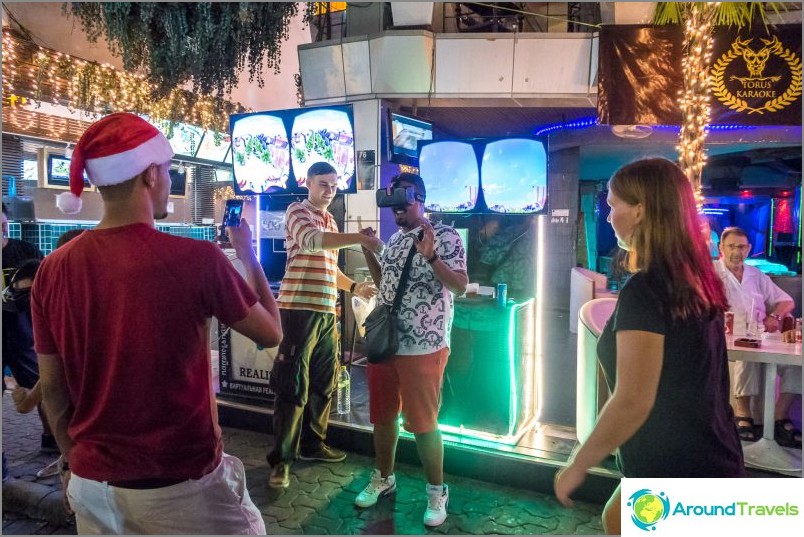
49,470
378,486
437,500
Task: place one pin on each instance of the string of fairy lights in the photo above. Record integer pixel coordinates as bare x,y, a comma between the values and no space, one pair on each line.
694,98
45,75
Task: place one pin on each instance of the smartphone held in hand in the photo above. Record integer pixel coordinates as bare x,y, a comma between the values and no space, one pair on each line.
231,216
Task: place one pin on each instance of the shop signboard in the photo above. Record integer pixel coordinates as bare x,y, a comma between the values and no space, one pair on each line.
755,75
244,366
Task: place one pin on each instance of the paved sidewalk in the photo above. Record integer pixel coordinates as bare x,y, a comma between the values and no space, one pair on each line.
320,499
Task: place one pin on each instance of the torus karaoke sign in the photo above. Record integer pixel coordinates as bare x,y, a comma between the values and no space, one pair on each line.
755,75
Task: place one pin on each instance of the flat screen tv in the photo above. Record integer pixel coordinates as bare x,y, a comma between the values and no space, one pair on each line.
451,176
183,137
178,183
272,151
213,146
513,175
58,173
404,134
485,175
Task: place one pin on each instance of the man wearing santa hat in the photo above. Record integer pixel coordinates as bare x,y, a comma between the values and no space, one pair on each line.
121,317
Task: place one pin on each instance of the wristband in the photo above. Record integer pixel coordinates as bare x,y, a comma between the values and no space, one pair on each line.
352,287
64,466
433,259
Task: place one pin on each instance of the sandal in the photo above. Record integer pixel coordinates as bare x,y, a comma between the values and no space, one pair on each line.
746,432
786,434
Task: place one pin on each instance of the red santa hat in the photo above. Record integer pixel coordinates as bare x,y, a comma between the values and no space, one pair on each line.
113,150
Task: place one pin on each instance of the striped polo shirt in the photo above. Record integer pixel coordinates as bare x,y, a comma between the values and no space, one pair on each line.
310,281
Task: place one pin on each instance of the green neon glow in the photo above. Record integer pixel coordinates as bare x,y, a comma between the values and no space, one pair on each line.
512,338
512,404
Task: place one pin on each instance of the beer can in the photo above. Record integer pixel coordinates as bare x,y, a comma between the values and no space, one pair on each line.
729,322
502,295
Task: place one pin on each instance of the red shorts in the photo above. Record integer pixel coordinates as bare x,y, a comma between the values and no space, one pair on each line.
410,385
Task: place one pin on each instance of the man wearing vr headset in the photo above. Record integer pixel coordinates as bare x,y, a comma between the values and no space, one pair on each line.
410,381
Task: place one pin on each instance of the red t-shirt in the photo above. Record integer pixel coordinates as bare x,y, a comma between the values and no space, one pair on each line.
127,310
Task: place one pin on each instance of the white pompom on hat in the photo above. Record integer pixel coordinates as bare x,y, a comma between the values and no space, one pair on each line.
113,150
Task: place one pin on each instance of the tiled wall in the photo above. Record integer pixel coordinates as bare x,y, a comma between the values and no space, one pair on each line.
45,235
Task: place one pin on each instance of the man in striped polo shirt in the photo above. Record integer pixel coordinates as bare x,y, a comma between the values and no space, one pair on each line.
303,376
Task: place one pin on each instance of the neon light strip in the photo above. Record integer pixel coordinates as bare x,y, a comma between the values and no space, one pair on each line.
512,391
770,231
257,226
593,122
800,207
539,332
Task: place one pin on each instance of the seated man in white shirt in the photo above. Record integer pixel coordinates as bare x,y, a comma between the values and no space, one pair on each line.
754,297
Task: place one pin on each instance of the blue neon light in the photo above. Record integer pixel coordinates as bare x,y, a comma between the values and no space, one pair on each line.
593,122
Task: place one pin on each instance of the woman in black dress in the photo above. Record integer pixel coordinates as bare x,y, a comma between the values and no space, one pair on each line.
663,351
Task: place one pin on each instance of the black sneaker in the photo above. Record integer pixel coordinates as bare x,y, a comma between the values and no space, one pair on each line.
323,454
48,444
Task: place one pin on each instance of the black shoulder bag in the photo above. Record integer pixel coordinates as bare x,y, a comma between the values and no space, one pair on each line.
382,337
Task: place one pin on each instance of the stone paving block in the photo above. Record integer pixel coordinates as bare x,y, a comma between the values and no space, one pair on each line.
306,500
297,519
323,525
325,490
278,514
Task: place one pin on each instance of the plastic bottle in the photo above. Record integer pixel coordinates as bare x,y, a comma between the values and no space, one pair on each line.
344,386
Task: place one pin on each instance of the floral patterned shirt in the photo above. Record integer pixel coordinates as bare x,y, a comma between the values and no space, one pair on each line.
425,315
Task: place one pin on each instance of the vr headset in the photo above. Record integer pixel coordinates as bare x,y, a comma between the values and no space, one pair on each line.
397,197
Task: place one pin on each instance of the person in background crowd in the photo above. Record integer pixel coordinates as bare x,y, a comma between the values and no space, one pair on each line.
669,413
411,380
753,297
126,375
303,376
26,399
18,346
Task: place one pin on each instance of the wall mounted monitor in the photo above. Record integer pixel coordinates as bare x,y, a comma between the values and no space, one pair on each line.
183,137
404,134
57,172
450,173
178,183
328,135
223,175
485,175
213,146
272,151
514,176
261,152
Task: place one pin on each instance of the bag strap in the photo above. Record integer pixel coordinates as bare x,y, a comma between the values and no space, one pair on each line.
403,279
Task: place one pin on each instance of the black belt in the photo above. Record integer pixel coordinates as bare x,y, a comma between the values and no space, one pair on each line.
144,484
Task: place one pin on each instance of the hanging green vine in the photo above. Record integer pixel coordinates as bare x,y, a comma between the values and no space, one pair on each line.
205,43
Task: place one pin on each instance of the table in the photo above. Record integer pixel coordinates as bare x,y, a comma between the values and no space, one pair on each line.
765,453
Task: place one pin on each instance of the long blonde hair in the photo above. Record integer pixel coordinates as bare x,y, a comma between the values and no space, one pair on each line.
667,244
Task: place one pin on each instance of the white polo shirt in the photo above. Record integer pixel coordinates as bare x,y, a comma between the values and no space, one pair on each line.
756,289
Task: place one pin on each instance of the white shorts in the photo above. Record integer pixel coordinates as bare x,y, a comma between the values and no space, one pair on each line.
218,503
747,377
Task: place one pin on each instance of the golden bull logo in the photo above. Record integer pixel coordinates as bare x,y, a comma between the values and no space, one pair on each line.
744,86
